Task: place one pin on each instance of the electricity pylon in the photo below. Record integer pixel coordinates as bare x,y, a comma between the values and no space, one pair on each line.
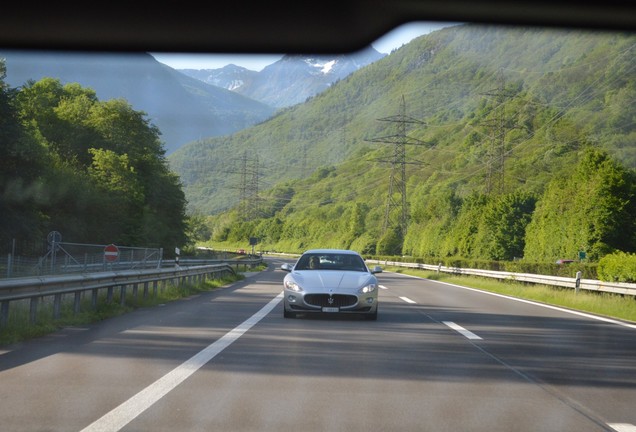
497,152
248,187
395,214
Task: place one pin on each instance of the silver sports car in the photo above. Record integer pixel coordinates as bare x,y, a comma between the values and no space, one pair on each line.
330,281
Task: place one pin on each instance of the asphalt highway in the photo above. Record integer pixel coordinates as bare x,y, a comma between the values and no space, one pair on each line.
439,358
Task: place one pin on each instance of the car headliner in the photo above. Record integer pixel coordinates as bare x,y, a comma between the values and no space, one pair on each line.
328,26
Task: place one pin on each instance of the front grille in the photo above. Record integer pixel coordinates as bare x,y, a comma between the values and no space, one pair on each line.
338,300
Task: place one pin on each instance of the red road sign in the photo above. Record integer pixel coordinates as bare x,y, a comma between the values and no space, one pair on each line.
111,253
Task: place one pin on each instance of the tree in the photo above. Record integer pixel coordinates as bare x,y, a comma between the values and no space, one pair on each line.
356,224
21,165
503,230
107,179
390,243
592,209
198,229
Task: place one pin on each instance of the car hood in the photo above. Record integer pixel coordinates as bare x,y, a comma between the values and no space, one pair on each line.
332,280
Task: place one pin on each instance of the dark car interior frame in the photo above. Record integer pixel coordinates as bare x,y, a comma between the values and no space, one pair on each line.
281,27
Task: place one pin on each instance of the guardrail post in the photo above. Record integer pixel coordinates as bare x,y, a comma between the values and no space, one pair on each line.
33,310
439,268
122,295
77,302
145,295
109,295
57,300
94,294
4,313
9,265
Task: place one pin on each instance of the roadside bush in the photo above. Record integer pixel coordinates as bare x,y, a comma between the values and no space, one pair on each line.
617,267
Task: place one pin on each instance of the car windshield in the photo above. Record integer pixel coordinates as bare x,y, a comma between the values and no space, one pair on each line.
331,261
448,207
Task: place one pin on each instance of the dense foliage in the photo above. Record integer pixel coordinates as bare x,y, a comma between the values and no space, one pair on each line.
518,147
618,267
523,148
94,171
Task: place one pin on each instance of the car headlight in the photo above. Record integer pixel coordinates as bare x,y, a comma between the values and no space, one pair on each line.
293,286
368,289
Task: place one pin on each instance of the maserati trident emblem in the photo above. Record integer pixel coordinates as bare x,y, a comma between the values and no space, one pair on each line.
330,300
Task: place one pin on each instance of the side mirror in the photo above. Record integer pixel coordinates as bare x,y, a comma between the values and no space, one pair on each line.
376,269
286,267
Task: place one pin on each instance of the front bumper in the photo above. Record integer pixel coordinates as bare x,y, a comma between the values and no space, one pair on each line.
330,303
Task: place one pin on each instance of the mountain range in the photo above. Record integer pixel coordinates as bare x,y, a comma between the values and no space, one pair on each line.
289,81
183,107
558,89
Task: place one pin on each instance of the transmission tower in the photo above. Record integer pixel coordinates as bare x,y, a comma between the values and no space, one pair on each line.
252,196
498,129
249,178
395,214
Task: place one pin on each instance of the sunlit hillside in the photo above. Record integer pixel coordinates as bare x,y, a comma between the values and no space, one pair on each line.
478,112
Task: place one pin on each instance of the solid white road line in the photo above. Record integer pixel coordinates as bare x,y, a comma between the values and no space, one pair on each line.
622,427
462,330
129,410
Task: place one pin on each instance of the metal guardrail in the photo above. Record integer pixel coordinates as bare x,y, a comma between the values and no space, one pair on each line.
35,288
565,282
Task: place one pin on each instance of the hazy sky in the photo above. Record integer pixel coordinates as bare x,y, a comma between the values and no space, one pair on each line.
390,41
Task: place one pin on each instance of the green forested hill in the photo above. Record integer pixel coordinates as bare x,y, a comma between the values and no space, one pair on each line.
519,142
94,171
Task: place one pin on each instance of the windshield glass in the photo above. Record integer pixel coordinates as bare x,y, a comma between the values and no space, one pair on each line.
184,221
332,261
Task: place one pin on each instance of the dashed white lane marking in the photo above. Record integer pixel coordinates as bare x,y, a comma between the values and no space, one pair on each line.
408,300
618,427
127,411
462,330
573,312
382,287
457,328
622,427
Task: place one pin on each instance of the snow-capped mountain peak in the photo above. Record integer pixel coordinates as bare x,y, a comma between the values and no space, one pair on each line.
290,80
